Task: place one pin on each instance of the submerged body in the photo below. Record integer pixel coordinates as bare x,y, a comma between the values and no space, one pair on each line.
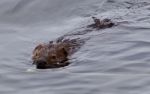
55,54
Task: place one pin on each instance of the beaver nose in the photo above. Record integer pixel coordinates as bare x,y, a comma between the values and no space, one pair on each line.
111,24
40,64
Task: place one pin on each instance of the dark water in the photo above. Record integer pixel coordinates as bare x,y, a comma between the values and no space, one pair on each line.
113,61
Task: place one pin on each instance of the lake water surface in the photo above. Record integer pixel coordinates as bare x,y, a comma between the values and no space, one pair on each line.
114,61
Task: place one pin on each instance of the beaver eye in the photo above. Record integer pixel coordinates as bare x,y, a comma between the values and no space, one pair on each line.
36,54
53,57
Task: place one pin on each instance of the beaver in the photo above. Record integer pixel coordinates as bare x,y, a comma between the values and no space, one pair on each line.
55,54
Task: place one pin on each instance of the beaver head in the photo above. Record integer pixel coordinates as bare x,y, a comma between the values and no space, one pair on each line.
50,56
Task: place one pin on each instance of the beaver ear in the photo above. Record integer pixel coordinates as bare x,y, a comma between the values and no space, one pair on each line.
39,46
64,52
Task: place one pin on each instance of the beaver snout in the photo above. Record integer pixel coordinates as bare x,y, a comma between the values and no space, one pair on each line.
40,64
